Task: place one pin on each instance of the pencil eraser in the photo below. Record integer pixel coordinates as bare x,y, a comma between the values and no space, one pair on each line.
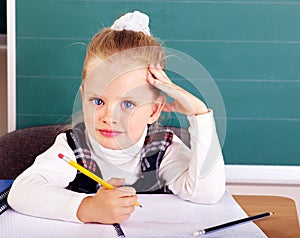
60,155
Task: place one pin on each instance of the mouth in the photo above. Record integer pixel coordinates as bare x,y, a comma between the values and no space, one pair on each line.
109,133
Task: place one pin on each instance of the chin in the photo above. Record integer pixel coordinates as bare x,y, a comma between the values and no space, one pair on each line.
111,146
113,143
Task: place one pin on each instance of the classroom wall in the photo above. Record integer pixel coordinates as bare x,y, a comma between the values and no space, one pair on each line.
3,69
3,85
250,48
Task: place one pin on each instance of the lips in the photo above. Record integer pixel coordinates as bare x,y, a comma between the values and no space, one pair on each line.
109,133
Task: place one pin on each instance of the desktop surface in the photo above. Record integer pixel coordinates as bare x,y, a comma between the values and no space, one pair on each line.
283,224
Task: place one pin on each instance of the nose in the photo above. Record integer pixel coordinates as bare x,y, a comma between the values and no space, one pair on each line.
107,115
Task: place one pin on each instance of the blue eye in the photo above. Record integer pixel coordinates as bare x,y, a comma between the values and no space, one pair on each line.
127,104
98,101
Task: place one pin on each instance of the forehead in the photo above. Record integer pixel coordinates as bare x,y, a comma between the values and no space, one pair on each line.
130,83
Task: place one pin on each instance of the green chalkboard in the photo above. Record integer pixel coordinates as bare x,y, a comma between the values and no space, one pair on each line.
3,29
250,48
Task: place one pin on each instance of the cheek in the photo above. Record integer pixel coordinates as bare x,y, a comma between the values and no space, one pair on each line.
138,119
88,116
141,114
87,112
88,121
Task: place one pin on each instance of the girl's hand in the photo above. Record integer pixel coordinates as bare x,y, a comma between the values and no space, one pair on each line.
184,102
108,206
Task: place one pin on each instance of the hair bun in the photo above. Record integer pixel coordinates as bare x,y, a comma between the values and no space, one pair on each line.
134,21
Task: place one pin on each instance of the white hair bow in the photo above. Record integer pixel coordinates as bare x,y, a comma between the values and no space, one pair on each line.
134,21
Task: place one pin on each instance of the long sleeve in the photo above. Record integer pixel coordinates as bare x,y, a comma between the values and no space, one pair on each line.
40,190
196,174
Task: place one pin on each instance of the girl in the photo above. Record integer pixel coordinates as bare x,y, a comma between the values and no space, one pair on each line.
120,139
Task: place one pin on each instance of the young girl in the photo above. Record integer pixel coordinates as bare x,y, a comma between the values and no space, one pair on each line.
120,139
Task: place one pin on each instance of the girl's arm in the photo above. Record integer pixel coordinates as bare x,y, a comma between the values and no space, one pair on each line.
40,191
198,174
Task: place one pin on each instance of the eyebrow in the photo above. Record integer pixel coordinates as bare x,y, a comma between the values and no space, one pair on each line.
93,94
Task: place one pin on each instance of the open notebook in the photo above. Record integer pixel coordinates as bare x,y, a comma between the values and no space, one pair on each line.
161,216
4,190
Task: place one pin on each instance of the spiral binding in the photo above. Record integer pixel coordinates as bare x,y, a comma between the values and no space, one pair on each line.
119,230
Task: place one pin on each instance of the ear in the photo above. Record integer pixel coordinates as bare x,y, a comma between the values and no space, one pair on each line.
81,91
82,97
158,105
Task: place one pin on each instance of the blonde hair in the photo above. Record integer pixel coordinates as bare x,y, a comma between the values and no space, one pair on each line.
109,42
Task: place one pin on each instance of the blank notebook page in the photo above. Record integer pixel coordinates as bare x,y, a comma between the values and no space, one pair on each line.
160,216
169,216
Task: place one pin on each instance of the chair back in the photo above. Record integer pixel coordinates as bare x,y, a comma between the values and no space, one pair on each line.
18,149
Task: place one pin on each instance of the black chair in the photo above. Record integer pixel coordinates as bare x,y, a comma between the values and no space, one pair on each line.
18,149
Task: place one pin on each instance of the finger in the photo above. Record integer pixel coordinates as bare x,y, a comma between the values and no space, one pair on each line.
116,182
127,189
119,192
169,89
127,210
168,107
167,86
155,82
159,74
163,74
122,218
160,78
149,76
129,201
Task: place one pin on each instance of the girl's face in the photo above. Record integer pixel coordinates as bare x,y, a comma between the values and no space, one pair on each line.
117,111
